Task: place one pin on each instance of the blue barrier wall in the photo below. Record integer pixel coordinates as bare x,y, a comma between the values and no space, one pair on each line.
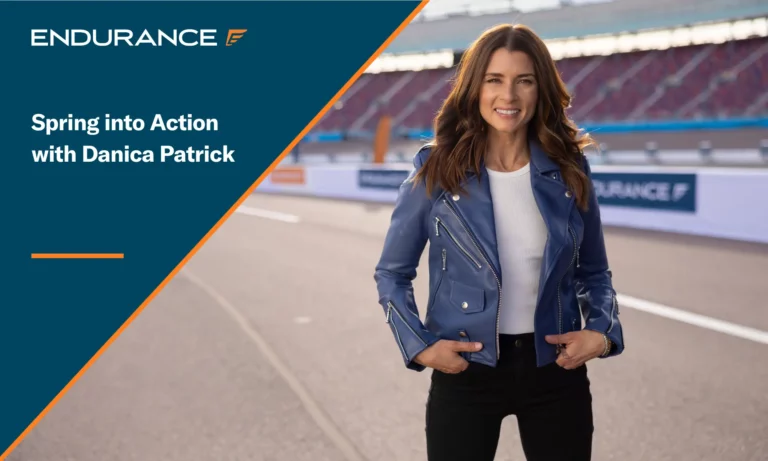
615,127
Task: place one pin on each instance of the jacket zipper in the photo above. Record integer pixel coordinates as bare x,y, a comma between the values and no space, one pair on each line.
439,282
392,308
578,250
439,222
493,271
613,309
397,333
559,300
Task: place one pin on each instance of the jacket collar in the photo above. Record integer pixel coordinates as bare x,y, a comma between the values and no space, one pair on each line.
539,159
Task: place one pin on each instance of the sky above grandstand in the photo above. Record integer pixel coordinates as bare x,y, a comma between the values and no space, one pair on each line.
440,8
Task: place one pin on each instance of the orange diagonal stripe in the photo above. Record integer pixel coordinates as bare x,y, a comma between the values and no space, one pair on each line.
221,221
78,255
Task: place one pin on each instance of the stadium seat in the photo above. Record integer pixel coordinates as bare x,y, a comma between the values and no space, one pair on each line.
706,81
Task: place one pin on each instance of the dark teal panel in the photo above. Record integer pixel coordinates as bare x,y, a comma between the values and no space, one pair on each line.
263,90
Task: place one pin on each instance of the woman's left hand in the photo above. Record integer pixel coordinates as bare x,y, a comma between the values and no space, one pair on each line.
579,347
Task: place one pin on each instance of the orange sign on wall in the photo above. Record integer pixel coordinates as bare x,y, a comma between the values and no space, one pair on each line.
288,175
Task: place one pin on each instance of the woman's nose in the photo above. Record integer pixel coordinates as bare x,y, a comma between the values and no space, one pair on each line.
510,94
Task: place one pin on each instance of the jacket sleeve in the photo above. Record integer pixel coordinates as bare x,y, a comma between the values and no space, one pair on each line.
594,287
404,244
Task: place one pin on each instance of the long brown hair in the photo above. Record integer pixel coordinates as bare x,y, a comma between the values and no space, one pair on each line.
460,131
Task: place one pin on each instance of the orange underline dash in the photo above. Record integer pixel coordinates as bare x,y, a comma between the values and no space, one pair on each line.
78,255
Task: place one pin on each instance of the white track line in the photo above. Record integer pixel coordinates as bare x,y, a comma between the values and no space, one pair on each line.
698,320
242,209
318,415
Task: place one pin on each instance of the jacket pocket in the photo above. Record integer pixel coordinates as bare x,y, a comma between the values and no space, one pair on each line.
467,299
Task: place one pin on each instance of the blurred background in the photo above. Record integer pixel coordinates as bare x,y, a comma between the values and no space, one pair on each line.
683,79
270,344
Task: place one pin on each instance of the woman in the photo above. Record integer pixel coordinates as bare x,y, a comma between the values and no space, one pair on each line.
520,293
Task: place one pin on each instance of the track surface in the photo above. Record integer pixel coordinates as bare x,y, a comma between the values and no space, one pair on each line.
270,346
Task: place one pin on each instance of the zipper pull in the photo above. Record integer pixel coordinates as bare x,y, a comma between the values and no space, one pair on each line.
444,258
578,250
389,312
437,227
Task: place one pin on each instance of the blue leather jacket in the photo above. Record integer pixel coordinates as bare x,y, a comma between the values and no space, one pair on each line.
465,279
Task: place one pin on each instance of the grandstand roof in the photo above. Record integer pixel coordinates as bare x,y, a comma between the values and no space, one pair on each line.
458,32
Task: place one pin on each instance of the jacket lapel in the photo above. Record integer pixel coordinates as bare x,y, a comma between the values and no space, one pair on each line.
476,209
549,190
555,206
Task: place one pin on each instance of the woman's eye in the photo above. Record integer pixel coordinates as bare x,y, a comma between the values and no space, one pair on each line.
493,80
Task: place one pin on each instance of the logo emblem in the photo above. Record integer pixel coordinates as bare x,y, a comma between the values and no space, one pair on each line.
235,35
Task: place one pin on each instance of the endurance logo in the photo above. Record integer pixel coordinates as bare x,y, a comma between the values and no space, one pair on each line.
127,37
235,35
647,190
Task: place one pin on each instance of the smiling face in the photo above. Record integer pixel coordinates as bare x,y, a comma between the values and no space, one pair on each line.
509,92
499,99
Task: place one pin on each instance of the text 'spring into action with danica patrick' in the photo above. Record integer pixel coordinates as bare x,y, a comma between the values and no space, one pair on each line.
93,154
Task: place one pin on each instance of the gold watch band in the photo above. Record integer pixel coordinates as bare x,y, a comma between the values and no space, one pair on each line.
608,346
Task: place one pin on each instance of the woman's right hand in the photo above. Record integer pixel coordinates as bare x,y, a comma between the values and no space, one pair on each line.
444,355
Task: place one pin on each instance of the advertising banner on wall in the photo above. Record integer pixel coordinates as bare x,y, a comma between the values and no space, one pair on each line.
288,175
381,178
655,191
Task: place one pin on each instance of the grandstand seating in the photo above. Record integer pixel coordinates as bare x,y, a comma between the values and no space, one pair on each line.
705,81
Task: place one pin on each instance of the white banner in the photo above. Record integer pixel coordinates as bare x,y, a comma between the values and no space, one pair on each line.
716,202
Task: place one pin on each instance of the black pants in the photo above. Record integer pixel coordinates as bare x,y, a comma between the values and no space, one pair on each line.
553,407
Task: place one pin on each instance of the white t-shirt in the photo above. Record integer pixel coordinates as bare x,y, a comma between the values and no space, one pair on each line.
521,235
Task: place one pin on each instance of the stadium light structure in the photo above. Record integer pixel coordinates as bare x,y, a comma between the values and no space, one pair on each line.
598,45
412,61
698,34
